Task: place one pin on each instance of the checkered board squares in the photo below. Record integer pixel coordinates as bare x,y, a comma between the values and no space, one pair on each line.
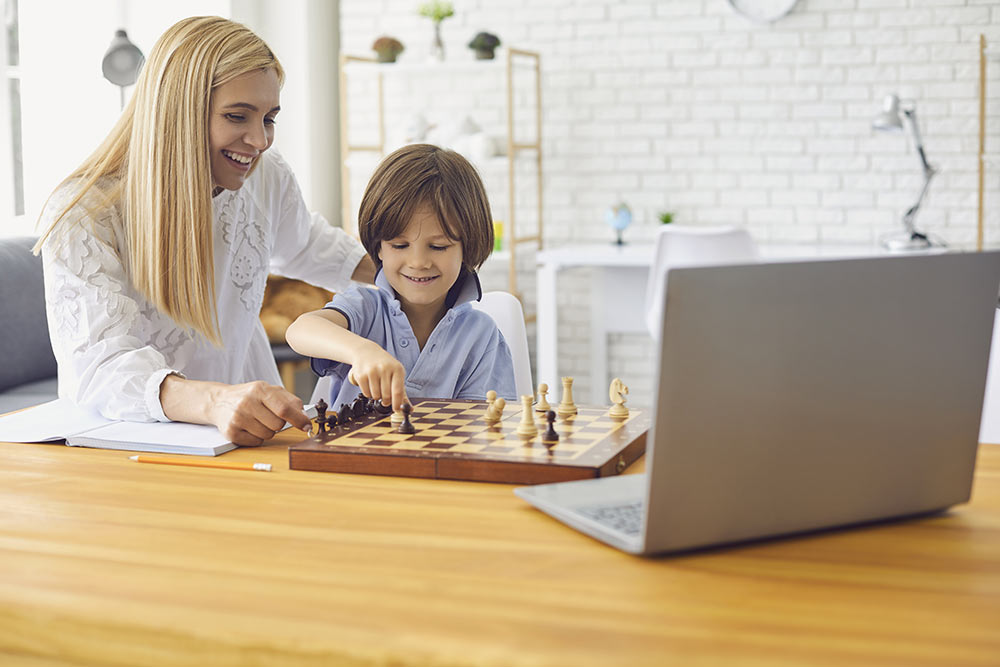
453,441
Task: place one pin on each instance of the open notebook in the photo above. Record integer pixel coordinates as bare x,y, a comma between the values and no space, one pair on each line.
63,420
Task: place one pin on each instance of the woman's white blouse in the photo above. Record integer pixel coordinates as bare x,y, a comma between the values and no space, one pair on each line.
114,348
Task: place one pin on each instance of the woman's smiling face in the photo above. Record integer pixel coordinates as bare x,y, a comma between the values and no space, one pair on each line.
241,125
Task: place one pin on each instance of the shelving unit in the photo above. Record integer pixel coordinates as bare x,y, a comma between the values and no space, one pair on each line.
985,159
516,147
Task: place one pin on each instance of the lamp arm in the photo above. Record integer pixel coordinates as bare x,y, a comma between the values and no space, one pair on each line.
911,123
910,115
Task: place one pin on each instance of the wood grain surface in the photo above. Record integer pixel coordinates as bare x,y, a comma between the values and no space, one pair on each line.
108,561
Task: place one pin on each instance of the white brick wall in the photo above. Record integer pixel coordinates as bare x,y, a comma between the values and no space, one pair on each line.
682,105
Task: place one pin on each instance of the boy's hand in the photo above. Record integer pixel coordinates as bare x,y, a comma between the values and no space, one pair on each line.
379,375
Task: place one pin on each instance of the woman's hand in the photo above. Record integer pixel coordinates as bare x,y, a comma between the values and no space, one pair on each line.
246,414
379,375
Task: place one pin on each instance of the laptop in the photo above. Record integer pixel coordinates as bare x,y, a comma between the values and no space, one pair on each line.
798,396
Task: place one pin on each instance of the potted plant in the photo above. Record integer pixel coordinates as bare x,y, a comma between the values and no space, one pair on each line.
666,217
437,11
387,48
484,44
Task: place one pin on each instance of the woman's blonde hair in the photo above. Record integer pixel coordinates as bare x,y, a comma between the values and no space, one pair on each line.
425,175
157,156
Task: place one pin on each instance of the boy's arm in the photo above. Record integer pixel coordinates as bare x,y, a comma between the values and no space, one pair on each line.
325,334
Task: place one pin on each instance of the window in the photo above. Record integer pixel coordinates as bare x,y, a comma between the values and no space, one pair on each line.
12,170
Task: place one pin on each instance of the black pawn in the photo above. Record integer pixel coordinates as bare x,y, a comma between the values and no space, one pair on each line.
383,409
406,426
550,436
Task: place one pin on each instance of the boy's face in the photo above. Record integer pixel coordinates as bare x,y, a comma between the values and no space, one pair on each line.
422,263
241,125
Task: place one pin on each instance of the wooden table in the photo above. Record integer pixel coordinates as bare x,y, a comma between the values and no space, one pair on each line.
107,561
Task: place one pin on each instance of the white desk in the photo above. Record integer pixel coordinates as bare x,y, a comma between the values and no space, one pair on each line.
618,295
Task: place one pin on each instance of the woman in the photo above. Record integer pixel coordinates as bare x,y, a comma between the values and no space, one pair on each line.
158,247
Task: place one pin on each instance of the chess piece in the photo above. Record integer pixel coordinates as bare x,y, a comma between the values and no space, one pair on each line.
345,413
397,417
543,404
495,410
550,437
406,427
491,397
358,408
527,426
567,408
321,407
616,392
382,409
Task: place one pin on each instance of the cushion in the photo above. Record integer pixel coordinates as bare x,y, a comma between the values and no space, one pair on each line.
24,331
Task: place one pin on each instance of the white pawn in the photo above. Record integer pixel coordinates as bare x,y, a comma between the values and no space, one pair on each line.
543,404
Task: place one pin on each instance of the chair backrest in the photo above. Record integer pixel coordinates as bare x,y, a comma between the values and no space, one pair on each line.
506,311
691,246
24,331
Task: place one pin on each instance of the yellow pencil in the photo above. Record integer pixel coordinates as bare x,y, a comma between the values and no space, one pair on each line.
265,467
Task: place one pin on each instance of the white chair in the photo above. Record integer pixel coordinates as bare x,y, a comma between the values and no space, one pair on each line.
691,246
506,311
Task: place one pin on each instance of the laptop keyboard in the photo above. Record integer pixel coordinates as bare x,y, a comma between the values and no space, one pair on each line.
625,518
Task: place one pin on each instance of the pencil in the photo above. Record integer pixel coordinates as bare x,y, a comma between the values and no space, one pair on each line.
265,467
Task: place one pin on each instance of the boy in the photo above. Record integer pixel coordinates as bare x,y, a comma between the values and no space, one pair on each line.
425,220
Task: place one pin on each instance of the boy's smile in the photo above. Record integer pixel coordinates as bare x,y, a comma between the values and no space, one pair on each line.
422,264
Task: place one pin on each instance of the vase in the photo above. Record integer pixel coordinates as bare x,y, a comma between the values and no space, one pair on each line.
437,46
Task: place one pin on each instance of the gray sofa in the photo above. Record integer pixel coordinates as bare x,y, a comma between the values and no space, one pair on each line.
27,369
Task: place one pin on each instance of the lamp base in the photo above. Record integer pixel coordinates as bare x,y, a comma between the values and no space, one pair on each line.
906,241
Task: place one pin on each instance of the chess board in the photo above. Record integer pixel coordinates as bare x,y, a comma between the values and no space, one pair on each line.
453,441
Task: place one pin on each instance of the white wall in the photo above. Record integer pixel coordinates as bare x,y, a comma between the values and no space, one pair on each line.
683,105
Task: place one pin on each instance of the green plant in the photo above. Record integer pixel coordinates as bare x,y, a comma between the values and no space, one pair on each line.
436,10
666,217
484,41
387,48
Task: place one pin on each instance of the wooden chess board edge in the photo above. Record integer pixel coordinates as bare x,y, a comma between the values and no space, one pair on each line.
458,468
509,472
626,457
362,464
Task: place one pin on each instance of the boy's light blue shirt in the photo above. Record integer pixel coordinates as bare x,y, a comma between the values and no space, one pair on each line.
464,357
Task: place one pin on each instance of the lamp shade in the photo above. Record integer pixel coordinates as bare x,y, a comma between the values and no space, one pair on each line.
888,119
122,60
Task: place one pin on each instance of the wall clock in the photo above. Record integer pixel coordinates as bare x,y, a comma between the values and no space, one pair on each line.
762,11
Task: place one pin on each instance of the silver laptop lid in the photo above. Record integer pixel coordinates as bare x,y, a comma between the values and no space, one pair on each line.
803,395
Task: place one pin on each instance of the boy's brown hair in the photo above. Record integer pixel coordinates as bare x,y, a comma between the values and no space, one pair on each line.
422,174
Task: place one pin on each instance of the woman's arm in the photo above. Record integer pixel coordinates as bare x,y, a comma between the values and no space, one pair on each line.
112,346
247,414
365,271
324,334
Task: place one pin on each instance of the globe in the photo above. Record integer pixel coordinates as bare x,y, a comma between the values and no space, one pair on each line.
618,218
